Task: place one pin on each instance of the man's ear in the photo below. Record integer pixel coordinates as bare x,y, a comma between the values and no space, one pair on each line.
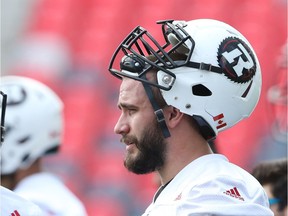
173,116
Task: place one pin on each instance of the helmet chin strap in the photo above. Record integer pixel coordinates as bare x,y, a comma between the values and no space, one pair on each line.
157,110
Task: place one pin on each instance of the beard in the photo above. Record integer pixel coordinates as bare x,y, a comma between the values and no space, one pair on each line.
151,151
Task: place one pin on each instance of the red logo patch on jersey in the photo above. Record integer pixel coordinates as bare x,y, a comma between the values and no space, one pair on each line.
234,193
178,197
15,213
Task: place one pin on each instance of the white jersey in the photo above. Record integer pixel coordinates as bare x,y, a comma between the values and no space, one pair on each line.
210,185
51,195
13,205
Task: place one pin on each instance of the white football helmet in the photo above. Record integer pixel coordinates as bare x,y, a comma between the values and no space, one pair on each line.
33,122
205,68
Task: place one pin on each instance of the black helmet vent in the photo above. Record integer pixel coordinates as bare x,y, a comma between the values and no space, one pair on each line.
201,90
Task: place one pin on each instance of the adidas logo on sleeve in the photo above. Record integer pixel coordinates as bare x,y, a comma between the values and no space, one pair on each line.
15,213
234,193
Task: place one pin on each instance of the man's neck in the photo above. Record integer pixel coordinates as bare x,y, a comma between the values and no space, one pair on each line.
180,157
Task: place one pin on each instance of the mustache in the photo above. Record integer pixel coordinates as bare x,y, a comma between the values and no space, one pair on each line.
128,139
131,139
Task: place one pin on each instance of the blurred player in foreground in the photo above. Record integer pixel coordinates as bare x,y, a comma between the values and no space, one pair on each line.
34,124
11,203
272,174
175,96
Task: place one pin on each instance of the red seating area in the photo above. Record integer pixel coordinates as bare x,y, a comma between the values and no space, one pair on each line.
92,29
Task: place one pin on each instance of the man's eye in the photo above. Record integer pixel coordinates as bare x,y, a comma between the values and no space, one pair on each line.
131,111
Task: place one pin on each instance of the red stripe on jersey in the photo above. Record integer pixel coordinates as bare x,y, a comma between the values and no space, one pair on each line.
15,213
236,191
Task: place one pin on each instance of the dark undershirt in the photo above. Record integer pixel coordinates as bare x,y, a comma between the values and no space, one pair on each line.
160,190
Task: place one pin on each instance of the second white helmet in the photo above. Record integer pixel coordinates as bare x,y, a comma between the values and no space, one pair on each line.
34,122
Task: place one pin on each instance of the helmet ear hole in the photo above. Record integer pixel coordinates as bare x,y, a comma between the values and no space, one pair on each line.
201,90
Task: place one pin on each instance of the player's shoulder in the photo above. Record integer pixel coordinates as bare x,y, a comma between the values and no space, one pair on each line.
13,204
216,165
43,182
221,178
41,188
216,169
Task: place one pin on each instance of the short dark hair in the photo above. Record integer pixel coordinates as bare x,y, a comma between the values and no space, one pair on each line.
274,172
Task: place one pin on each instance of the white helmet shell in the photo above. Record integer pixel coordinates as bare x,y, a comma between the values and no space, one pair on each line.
232,95
33,121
